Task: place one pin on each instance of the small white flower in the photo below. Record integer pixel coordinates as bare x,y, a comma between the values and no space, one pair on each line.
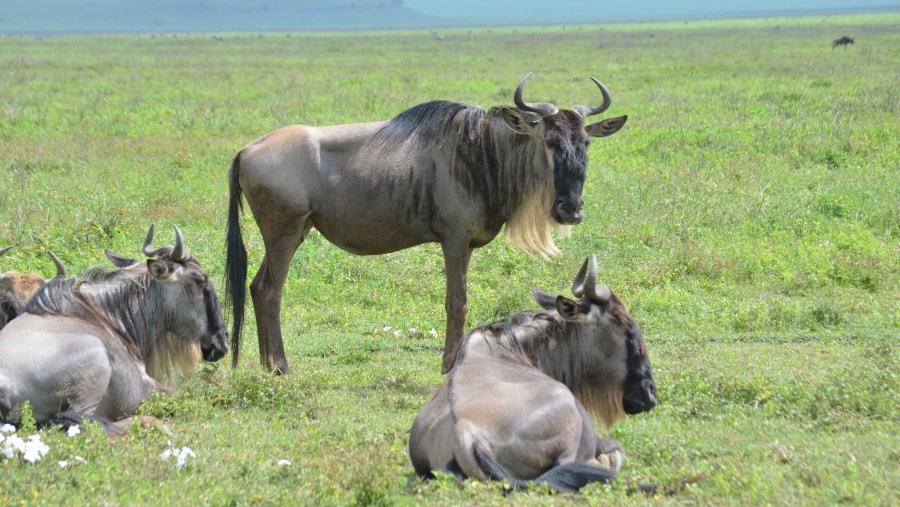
62,464
12,446
385,329
34,449
397,332
413,330
73,430
432,333
284,463
80,459
181,455
7,429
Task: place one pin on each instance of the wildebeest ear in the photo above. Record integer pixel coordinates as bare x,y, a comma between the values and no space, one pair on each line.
567,308
607,127
158,269
119,261
547,301
519,121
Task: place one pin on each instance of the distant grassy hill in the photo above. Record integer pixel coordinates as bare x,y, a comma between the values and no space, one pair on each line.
206,15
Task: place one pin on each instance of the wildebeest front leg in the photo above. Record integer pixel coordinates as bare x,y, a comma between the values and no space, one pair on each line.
610,453
456,265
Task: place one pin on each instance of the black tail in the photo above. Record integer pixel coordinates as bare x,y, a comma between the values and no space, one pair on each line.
568,477
235,260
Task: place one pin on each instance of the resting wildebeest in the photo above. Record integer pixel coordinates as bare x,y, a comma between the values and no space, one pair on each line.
17,288
95,347
515,404
439,172
843,41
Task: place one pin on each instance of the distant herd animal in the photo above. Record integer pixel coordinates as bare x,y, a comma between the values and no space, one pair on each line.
841,41
518,394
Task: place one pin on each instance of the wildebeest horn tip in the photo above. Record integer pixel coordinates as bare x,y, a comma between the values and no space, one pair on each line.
147,249
60,268
180,252
4,250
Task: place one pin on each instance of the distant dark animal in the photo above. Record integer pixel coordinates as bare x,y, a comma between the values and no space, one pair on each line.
439,172
17,288
843,41
515,404
95,347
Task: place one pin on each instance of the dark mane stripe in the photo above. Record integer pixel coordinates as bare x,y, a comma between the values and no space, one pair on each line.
428,122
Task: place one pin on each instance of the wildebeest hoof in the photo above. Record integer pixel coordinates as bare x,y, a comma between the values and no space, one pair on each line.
608,445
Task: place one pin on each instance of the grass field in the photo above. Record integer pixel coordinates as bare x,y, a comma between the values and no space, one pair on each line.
748,213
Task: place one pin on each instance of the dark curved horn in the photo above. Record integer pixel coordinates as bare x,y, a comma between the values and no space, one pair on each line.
541,108
180,253
60,269
585,283
4,250
148,243
586,111
578,283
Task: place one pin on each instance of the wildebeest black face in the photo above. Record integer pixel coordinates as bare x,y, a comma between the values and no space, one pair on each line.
640,389
189,293
568,138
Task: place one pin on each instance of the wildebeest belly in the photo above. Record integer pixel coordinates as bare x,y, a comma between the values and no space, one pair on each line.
58,363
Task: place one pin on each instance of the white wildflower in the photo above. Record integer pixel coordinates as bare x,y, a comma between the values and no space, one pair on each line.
73,430
62,463
34,449
13,445
284,463
432,333
397,333
181,455
385,329
413,330
7,429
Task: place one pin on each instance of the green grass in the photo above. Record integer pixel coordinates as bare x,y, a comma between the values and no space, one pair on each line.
748,213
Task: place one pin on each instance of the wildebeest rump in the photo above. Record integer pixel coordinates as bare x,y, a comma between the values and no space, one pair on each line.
17,288
841,41
97,346
439,172
515,404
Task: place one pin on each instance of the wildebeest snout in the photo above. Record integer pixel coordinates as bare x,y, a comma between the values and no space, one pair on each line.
218,347
568,211
641,399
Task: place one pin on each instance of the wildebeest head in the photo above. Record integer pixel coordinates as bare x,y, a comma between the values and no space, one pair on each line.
567,138
189,295
17,288
618,378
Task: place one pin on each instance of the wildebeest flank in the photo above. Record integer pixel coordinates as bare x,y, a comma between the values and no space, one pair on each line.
439,172
515,404
97,346
17,288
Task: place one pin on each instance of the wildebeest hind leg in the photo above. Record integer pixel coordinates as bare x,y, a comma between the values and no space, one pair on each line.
266,289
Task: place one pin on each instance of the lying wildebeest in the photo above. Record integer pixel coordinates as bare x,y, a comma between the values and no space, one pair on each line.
95,347
515,404
843,41
439,172
17,288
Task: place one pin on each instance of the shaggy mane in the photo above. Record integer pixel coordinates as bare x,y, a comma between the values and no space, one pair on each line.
121,307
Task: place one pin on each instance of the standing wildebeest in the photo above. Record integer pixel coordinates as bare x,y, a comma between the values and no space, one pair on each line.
96,347
843,41
439,172
17,288
515,404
